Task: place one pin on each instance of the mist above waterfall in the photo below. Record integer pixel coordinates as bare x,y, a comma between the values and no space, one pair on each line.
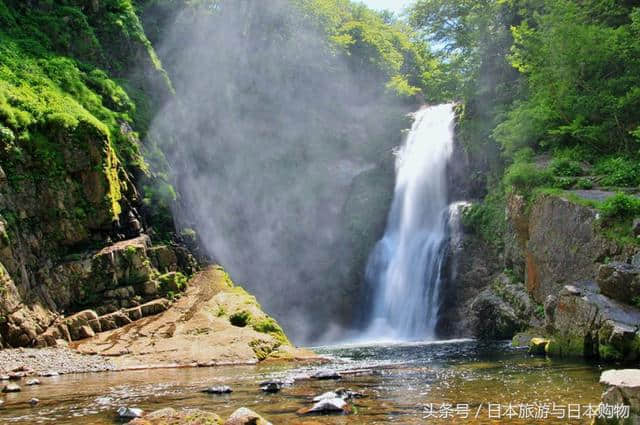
265,136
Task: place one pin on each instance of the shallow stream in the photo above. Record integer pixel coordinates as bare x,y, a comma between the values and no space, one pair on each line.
454,382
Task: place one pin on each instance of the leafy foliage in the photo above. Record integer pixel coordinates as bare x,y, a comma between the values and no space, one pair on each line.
620,206
619,171
526,176
543,78
487,218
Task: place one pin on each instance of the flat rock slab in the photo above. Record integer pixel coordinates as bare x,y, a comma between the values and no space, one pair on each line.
622,378
195,330
594,195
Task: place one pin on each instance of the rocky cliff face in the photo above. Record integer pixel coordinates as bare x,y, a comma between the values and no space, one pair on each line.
561,245
81,209
554,273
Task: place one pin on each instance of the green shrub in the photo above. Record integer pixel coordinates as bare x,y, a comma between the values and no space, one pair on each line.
240,319
565,167
584,183
487,219
564,182
525,176
620,206
172,282
269,326
618,171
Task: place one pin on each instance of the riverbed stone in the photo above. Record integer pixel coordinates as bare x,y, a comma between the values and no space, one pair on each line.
17,375
244,416
222,389
33,401
622,387
328,405
342,393
33,381
11,388
271,386
326,374
130,412
169,415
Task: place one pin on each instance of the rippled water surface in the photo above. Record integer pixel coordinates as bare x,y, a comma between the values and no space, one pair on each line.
405,384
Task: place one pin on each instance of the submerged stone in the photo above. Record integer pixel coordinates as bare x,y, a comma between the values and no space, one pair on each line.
342,393
329,405
271,386
223,389
130,412
11,388
244,416
326,375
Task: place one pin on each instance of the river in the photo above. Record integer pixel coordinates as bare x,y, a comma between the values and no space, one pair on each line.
410,383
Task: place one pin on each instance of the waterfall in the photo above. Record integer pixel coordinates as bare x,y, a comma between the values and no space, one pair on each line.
404,269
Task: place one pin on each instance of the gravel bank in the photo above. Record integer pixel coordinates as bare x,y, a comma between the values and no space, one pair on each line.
43,361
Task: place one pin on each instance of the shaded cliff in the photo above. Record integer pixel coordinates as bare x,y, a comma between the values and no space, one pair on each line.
554,268
87,242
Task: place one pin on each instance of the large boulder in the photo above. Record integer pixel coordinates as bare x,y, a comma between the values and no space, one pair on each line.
590,324
620,281
621,399
494,318
76,323
244,416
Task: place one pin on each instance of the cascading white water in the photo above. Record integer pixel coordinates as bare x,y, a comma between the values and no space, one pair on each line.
405,266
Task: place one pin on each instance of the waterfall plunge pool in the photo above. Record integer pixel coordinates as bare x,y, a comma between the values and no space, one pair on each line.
405,383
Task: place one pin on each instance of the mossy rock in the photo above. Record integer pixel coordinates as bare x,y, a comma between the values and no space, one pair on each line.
567,346
538,346
270,326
